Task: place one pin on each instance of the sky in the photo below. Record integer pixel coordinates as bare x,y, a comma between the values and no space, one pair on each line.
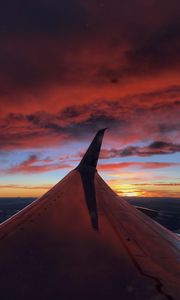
69,68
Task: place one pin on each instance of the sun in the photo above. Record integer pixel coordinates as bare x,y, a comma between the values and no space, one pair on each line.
125,190
131,194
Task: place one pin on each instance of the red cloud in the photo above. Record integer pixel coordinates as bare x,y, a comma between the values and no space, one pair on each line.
129,120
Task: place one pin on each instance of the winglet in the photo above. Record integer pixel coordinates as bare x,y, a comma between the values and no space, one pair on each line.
91,156
87,169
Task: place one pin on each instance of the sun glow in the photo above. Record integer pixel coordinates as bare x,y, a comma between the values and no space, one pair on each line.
131,194
125,190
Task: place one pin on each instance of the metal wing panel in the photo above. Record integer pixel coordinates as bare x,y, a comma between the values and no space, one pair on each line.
51,251
154,249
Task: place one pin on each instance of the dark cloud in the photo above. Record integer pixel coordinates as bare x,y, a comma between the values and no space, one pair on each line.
155,148
56,43
35,37
71,112
93,123
150,51
158,50
42,17
162,145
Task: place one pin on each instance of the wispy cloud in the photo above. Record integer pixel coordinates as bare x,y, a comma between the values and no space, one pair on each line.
155,148
35,165
140,165
157,184
26,187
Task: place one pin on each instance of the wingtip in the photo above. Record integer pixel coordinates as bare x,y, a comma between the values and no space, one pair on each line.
92,154
87,169
102,130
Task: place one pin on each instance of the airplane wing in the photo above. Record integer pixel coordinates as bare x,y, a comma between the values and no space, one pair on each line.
81,241
163,210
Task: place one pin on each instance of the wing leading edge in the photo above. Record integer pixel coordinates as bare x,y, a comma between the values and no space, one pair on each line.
50,249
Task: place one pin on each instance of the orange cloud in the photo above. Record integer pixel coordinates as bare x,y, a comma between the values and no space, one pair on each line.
26,187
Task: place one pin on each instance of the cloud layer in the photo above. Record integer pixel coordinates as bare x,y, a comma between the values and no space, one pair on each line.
69,68
133,118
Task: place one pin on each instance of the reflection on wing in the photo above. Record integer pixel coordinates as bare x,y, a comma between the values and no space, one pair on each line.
50,249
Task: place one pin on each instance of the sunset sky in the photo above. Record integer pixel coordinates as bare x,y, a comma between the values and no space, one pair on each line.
69,68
